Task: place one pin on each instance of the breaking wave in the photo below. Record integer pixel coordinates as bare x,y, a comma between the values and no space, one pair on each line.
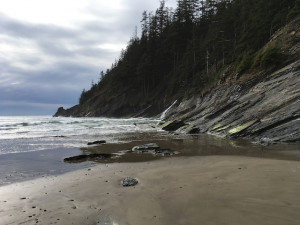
19,134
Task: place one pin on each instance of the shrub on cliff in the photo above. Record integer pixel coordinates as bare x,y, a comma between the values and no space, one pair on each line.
268,57
245,62
271,56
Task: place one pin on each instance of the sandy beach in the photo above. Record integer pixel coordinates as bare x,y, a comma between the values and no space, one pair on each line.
180,190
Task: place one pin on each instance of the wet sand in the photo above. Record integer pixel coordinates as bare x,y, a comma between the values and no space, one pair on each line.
178,190
30,165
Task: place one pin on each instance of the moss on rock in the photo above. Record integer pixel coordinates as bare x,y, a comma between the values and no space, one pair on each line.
240,128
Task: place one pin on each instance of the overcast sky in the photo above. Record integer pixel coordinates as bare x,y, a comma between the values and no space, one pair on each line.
50,50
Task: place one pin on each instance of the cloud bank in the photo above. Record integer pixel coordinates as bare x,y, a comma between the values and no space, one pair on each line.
51,50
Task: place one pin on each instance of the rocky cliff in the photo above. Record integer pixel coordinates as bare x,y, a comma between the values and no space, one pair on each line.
268,110
263,105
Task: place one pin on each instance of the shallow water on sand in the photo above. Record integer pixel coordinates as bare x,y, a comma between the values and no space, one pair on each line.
193,145
36,146
41,151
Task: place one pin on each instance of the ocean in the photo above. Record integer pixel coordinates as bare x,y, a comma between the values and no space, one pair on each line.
32,146
37,133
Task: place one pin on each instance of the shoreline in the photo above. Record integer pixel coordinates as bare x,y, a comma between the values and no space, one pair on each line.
186,190
18,167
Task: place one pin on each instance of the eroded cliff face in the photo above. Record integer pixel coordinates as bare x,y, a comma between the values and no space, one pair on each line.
267,110
264,105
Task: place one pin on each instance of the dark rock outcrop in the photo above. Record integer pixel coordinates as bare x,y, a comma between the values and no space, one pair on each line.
60,111
172,125
73,111
81,158
96,142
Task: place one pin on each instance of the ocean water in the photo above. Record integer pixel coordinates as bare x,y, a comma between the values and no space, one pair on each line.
22,134
33,146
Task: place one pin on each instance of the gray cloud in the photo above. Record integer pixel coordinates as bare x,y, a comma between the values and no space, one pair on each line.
43,66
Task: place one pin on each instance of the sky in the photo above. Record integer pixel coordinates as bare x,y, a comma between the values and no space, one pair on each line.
50,50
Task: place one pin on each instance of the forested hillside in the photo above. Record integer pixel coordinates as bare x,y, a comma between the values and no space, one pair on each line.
185,52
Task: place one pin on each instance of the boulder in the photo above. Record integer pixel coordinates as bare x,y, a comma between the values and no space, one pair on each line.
129,181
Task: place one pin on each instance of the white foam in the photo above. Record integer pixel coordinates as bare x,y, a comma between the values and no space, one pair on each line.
19,134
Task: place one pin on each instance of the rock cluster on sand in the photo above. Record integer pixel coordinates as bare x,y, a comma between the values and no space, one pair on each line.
146,147
152,148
